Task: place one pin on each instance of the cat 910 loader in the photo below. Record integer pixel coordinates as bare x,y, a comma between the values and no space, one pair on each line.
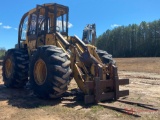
49,58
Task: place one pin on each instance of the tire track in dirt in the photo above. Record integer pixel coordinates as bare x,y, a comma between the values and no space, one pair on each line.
141,77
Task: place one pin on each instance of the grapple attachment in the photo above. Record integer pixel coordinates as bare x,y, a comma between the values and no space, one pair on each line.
108,89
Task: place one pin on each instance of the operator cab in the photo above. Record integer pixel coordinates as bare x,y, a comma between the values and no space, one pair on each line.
44,19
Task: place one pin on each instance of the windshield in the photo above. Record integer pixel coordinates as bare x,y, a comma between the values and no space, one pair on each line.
61,24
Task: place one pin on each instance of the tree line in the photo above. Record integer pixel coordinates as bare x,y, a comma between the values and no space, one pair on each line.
134,40
2,53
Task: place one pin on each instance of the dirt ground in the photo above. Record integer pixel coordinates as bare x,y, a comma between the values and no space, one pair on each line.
142,103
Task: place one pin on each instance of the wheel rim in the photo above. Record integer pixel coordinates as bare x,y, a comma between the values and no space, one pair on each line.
8,68
40,72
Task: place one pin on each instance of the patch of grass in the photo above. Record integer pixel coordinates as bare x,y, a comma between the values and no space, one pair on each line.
139,98
96,108
118,114
68,113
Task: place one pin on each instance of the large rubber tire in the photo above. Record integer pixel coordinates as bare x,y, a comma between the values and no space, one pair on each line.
105,57
49,72
15,68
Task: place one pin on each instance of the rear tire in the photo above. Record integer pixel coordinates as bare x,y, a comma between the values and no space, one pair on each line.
15,68
49,72
105,57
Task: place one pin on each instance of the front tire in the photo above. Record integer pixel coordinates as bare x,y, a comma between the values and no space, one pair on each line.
49,72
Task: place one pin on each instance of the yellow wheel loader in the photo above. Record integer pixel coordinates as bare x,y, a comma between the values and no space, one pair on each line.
49,58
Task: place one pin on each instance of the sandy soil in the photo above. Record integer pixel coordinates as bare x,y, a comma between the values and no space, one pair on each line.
142,103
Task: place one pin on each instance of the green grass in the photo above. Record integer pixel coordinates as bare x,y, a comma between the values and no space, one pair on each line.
96,108
68,113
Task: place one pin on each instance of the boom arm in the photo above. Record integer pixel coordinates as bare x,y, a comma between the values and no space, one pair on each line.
97,80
